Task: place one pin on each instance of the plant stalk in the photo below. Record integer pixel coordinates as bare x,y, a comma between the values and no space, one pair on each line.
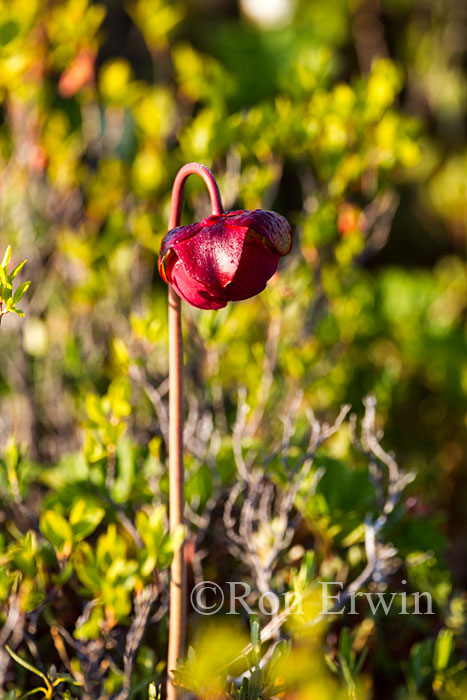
177,613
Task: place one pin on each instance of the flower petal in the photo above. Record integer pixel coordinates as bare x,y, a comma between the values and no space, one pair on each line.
194,292
257,265
212,256
273,227
178,234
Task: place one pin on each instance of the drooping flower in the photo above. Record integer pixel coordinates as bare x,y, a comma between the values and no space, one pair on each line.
226,257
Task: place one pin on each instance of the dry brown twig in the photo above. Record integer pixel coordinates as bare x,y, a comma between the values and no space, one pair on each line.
380,556
265,512
143,603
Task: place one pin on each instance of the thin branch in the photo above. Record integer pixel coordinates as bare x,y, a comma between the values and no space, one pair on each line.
267,376
143,603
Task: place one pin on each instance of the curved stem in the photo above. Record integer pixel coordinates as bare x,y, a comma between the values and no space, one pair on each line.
176,201
176,476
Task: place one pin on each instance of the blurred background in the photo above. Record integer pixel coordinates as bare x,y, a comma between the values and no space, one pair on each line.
346,116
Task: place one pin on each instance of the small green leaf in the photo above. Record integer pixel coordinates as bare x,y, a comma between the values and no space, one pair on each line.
19,293
255,635
345,645
256,684
3,279
57,530
330,664
346,674
15,271
361,661
92,627
94,409
25,664
64,575
84,519
442,651
307,569
281,649
6,257
16,310
6,292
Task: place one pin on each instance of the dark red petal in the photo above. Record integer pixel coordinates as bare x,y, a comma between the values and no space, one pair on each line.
257,265
178,234
212,256
193,291
274,227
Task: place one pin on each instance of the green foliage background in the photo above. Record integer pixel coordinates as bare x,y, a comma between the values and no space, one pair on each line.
349,118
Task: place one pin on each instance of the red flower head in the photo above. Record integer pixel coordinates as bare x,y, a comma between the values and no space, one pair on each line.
227,257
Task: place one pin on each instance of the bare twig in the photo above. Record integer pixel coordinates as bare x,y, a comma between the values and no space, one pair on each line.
380,556
263,528
267,375
11,632
143,603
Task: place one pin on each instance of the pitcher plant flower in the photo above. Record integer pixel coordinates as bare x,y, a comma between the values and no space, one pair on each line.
227,257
